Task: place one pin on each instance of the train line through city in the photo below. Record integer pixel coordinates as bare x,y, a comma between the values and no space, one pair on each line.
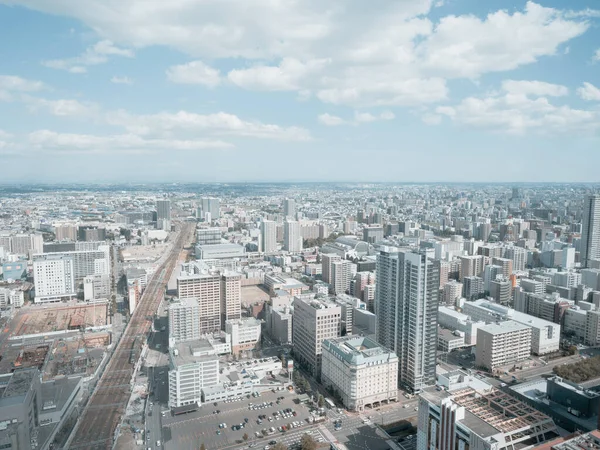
103,413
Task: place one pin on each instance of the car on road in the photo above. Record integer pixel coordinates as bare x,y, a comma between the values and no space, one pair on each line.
272,442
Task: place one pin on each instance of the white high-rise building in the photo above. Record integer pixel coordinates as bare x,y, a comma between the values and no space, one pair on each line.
289,208
163,214
340,276
184,321
192,367
406,306
54,278
268,235
590,236
292,241
211,208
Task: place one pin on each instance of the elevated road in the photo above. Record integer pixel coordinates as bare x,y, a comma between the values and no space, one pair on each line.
96,428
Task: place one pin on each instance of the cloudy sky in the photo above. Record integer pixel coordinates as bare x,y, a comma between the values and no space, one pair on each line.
300,90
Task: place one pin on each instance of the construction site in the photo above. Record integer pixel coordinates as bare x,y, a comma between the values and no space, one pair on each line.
39,320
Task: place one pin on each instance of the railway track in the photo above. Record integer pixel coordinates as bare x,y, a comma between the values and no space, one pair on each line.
96,427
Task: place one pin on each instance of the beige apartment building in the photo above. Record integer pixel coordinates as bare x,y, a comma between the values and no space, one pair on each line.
502,344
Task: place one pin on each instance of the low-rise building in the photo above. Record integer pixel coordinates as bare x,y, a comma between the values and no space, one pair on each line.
245,334
360,370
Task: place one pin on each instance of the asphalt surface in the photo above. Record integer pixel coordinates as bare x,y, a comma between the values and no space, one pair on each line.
191,430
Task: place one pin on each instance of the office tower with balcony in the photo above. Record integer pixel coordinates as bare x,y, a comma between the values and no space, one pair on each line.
268,236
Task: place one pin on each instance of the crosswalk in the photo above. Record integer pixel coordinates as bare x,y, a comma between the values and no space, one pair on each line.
288,439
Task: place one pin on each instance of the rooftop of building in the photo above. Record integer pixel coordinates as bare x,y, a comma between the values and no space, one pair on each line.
19,383
183,303
493,412
56,393
584,441
191,352
448,335
507,326
514,315
358,350
245,322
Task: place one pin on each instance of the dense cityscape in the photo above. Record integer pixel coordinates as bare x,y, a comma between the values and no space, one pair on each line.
299,225
300,316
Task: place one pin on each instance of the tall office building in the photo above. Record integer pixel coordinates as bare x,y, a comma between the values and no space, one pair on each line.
231,297
292,241
473,288
518,256
268,236
590,236
163,214
54,277
314,321
211,207
406,304
289,207
327,259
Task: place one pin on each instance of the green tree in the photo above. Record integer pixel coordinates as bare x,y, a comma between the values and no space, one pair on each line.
321,401
573,350
245,436
308,443
203,447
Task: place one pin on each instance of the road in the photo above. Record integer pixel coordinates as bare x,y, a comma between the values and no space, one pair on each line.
104,411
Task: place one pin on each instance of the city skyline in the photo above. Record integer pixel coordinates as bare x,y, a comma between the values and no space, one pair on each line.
118,92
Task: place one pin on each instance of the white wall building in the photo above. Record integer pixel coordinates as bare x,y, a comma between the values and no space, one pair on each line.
245,334
545,335
502,344
292,241
362,372
54,277
192,366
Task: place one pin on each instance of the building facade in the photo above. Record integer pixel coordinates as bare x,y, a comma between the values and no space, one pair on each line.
406,304
362,372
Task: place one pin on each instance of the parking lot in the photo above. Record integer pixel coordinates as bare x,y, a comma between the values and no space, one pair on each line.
189,431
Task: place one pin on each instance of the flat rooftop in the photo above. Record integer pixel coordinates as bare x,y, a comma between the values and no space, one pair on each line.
19,383
200,350
504,327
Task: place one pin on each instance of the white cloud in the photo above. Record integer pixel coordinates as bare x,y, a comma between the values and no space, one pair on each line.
589,92
432,119
194,72
534,88
359,117
596,56
63,107
221,123
10,84
362,117
121,80
383,90
330,120
93,55
518,114
341,52
503,41
86,143
5,135
288,76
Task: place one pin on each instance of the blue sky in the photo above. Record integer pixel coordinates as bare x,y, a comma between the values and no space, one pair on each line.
275,90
